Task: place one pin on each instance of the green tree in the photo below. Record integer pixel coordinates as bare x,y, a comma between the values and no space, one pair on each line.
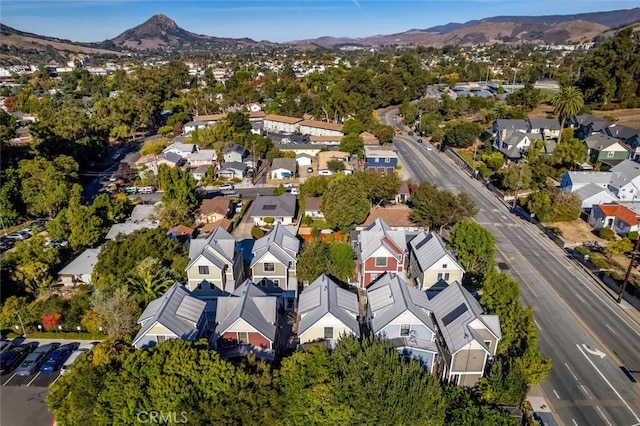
381,189
313,260
505,384
567,103
85,228
571,152
314,186
462,135
464,410
623,245
539,203
117,311
11,204
516,177
335,165
353,126
436,209
526,98
173,213
31,264
46,184
150,279
345,203
474,247
384,133
352,143
342,260
279,190
178,184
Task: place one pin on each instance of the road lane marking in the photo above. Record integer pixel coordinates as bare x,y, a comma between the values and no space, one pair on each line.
56,379
578,296
609,384
556,393
584,390
9,379
603,416
36,376
537,325
574,422
595,352
518,273
610,329
569,368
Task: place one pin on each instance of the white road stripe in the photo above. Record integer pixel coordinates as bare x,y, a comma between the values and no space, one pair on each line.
569,368
556,393
574,422
609,384
59,375
603,416
610,329
581,299
538,325
584,390
9,379
36,376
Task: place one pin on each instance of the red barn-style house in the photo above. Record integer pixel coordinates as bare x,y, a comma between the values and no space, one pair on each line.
379,249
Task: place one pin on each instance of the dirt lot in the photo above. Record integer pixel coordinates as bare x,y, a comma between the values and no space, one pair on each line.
577,231
626,117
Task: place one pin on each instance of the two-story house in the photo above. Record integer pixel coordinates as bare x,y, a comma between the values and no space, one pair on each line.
466,338
620,219
274,260
215,265
586,124
431,265
548,128
181,149
625,180
504,127
515,145
327,312
379,249
177,314
402,314
628,135
601,147
234,153
212,210
380,159
246,323
281,123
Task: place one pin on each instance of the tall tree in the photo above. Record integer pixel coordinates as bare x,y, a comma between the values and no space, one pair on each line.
474,247
117,311
178,185
31,264
567,103
436,209
150,279
345,203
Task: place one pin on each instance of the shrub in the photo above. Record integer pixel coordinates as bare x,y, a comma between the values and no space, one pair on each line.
307,220
315,232
599,262
269,220
615,275
607,234
583,250
257,232
633,235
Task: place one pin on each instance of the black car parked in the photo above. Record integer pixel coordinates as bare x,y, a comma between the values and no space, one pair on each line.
12,358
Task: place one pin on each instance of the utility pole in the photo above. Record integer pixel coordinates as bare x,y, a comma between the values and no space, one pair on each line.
626,277
16,313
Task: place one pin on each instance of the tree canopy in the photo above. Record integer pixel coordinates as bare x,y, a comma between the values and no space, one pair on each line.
474,247
345,203
437,209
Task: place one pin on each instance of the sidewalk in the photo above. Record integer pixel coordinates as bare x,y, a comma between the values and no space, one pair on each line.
541,409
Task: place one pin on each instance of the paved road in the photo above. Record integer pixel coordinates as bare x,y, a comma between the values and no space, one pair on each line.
590,339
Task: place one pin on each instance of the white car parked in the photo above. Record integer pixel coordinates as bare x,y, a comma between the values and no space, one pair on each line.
83,348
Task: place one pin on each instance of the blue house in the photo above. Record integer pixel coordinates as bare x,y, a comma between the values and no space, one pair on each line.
380,159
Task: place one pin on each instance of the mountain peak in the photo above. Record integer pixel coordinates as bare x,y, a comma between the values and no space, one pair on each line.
162,21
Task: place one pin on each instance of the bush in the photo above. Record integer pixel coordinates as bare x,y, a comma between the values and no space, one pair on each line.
269,220
307,220
583,250
599,263
607,234
257,232
615,275
633,235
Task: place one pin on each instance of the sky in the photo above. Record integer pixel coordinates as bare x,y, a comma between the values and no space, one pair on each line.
278,21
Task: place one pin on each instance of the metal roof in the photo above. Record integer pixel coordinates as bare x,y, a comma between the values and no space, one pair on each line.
219,248
601,178
624,173
83,264
251,304
283,205
177,310
429,249
390,296
377,235
454,309
324,296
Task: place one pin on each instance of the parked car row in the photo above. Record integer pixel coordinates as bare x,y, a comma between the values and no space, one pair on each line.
8,241
29,358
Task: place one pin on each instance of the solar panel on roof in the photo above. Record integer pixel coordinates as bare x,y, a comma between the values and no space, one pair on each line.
454,314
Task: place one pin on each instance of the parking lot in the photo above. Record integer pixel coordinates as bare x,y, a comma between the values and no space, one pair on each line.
39,379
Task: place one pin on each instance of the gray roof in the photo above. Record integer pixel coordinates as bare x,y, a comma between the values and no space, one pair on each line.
250,303
128,228
622,132
510,124
297,146
377,235
233,165
219,248
279,242
177,310
390,296
171,157
183,147
623,173
274,206
234,148
599,141
454,309
323,297
203,155
544,123
142,213
590,190
284,163
83,264
601,178
429,249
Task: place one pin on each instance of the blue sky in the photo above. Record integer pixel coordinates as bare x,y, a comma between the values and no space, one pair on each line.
272,20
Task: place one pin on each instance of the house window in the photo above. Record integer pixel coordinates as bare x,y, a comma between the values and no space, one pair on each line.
404,329
610,154
446,276
488,343
211,286
276,282
381,261
161,339
387,160
328,332
439,276
243,337
377,160
269,267
200,285
203,270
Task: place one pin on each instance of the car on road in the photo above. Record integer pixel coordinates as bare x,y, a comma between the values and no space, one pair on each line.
13,357
226,187
309,169
419,141
82,349
55,359
146,190
429,148
410,133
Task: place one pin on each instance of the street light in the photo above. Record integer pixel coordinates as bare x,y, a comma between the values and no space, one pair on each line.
16,313
626,277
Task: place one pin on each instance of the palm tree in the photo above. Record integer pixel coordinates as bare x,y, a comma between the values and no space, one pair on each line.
566,103
150,279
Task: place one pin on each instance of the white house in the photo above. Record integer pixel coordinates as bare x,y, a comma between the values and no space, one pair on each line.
283,168
320,128
625,180
79,270
431,265
281,123
203,157
182,149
